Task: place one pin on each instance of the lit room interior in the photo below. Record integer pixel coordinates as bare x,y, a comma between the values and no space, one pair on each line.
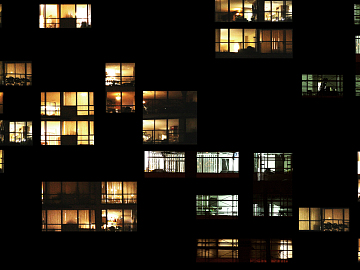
51,103
119,192
120,74
1,102
324,219
317,85
164,161
217,162
67,132
158,130
216,206
1,161
120,102
65,16
15,73
118,220
253,10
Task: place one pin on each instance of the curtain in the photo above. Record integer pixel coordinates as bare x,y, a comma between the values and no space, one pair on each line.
69,98
69,217
68,128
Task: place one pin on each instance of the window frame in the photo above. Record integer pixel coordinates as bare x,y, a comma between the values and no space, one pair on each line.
284,46
59,227
217,250
125,227
263,170
124,81
320,221
80,139
238,14
174,162
16,79
205,208
2,162
55,22
123,197
121,108
310,84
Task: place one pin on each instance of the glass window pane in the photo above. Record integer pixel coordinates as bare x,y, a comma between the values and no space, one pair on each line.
148,94
315,214
68,128
69,217
53,217
69,98
161,94
82,98
303,213
67,11
52,11
128,98
175,95
160,124
128,69
224,35
84,217
236,35
83,128
148,124
81,11
69,187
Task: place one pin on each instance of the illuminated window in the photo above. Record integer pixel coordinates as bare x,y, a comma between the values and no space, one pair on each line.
357,44
272,166
67,132
0,15
217,250
118,192
117,74
16,132
83,101
65,16
159,127
68,193
324,219
253,11
164,161
357,14
20,132
217,162
50,103
253,42
1,102
217,206
315,85
280,250
161,131
272,205
120,102
359,249
16,73
68,220
50,132
357,85
119,220
1,161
